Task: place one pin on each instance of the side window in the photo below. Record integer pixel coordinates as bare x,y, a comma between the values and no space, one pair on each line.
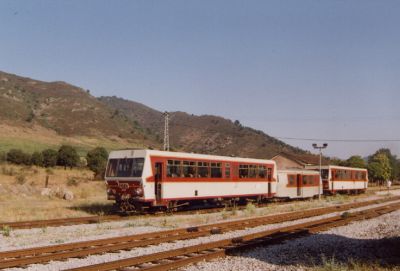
189,169
252,171
243,171
174,168
216,170
292,180
203,169
305,179
262,172
227,170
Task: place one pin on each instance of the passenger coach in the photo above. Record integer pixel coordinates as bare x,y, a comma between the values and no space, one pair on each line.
141,179
298,183
342,179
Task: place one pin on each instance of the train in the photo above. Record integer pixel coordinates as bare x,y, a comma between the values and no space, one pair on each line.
139,180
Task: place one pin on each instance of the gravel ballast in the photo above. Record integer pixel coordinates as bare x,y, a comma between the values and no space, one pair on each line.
115,229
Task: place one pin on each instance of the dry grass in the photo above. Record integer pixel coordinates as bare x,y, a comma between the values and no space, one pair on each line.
23,201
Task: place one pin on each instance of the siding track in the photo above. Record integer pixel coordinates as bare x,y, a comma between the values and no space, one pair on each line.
45,254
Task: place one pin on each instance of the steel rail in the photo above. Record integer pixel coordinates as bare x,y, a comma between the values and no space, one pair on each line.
186,255
80,249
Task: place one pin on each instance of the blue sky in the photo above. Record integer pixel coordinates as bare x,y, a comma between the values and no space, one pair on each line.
300,69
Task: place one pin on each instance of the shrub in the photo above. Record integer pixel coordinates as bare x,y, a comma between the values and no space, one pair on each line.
37,159
20,178
250,208
71,181
97,161
7,171
3,157
49,158
18,157
67,156
6,231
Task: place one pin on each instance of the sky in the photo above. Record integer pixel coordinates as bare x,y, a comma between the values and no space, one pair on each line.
319,70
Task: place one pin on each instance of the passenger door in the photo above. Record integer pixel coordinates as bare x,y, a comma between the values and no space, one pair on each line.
299,180
158,178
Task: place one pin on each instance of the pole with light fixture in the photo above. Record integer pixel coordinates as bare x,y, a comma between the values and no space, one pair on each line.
315,146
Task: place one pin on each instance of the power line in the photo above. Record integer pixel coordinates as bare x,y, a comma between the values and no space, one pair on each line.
337,140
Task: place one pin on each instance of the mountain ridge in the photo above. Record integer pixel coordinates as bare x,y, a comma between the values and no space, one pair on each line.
73,114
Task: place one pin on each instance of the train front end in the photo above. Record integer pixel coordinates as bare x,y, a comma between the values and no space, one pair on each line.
124,179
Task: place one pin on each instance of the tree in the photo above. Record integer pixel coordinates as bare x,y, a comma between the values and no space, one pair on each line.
18,157
379,168
356,161
67,156
37,159
394,163
49,158
97,161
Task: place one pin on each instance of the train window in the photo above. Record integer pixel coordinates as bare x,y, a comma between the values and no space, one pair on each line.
174,168
292,180
363,176
269,174
189,169
305,179
112,168
203,169
227,170
252,171
137,167
216,170
262,171
125,167
243,171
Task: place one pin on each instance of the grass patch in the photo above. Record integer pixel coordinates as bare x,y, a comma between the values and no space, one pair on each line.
6,231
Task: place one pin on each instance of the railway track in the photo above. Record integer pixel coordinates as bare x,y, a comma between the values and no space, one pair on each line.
45,254
107,218
187,255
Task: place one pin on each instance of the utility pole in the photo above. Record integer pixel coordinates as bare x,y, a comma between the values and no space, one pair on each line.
166,131
315,146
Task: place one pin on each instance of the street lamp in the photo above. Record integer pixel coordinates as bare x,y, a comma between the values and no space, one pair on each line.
315,146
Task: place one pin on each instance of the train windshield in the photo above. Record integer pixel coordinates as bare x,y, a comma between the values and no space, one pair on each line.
126,167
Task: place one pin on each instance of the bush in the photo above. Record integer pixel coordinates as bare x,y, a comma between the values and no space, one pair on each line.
97,161
6,230
18,157
37,159
20,179
71,181
3,157
49,158
67,156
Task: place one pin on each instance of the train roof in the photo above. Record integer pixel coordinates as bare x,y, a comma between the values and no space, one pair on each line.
335,167
144,153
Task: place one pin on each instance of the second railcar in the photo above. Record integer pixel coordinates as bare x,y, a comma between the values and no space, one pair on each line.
298,183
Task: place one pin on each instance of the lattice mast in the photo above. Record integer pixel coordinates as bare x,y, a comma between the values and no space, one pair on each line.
166,131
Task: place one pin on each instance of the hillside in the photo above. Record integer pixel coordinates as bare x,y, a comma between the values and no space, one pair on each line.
203,134
50,113
36,114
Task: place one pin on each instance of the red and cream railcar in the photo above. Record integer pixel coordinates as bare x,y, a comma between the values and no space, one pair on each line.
298,183
138,179
342,179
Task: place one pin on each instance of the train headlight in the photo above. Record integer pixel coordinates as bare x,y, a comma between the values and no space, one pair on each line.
139,191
